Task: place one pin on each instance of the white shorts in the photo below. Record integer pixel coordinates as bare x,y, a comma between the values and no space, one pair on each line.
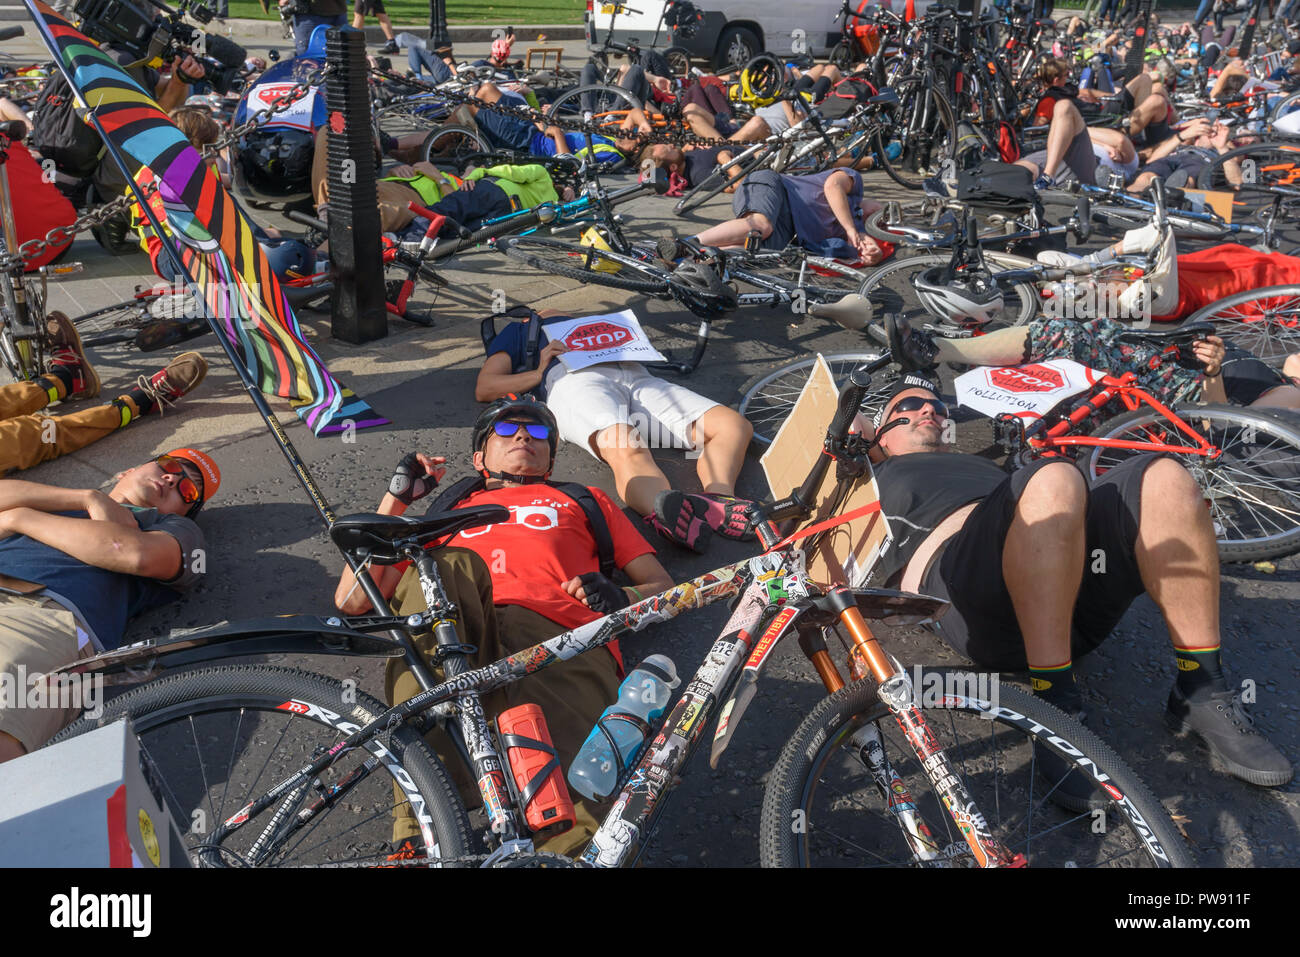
623,393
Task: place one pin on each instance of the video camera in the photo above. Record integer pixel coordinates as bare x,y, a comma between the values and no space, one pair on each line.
154,32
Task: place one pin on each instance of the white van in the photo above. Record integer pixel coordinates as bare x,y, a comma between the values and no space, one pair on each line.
731,32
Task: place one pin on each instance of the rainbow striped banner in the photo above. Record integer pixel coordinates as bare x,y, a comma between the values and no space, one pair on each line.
219,250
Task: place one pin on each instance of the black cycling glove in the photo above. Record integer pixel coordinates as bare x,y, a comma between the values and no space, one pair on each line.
410,481
602,594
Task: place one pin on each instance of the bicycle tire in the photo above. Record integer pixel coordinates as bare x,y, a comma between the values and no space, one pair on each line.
679,58
607,98
1275,164
821,754
889,289
1265,322
452,143
1252,489
162,712
767,398
1284,106
923,158
122,321
560,257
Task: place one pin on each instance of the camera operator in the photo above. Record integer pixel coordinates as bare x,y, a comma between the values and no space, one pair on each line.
332,13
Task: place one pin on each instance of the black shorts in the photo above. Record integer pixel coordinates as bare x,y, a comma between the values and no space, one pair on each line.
981,624
1246,379
367,7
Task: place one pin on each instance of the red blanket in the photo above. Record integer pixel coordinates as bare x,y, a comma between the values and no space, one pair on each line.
1208,275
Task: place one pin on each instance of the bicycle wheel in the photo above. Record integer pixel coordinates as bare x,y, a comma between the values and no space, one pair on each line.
222,736
822,808
587,264
890,290
1265,322
679,58
769,397
602,99
453,144
122,321
1252,487
1259,164
927,131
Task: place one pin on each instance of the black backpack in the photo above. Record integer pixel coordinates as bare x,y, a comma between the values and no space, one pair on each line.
994,183
532,337
457,492
59,134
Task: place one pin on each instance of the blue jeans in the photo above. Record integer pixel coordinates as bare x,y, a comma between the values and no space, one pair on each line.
304,25
422,59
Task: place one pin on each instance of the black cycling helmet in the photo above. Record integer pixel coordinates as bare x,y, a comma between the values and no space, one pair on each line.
702,291
277,162
960,300
524,407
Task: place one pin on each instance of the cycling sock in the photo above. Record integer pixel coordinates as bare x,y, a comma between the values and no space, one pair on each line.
1000,347
128,408
1200,670
57,383
144,402
1055,685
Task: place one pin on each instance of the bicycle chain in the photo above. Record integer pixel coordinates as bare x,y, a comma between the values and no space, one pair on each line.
60,235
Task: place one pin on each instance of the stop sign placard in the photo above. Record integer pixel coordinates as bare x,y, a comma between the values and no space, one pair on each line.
597,335
1030,378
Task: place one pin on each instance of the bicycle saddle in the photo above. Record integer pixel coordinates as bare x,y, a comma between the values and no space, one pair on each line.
1182,335
853,312
376,536
13,129
884,98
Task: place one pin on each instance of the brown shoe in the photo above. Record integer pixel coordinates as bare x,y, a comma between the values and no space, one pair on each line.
67,352
180,377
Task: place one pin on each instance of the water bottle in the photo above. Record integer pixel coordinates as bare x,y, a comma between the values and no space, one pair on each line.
629,721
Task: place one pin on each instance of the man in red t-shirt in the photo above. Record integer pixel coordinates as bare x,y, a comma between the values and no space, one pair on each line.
520,582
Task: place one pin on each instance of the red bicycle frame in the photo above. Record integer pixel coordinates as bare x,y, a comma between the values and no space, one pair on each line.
1133,397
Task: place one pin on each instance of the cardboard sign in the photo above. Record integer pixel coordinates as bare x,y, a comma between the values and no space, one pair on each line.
1218,201
615,337
297,116
1029,391
848,552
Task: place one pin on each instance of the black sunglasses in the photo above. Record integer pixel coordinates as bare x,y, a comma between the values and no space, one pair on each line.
915,403
508,430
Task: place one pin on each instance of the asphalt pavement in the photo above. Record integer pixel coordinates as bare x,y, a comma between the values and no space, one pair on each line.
269,553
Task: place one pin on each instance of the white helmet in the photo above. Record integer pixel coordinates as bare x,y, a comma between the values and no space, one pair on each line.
972,299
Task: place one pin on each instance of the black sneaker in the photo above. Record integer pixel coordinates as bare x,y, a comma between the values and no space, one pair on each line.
1068,787
1221,721
912,349
389,47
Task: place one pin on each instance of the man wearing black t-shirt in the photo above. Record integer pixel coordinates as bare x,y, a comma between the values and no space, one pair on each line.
1040,568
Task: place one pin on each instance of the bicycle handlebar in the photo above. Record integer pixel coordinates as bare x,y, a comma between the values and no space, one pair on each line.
9,33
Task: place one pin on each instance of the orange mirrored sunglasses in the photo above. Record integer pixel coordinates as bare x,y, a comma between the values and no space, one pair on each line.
189,490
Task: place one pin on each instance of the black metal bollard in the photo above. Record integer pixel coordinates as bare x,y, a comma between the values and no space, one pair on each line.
357,304
439,35
1135,62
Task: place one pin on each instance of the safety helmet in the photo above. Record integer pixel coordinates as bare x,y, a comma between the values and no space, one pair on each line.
210,475
960,299
501,47
702,291
277,162
514,405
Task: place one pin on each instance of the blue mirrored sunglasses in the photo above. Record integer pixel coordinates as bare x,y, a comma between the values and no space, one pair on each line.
511,429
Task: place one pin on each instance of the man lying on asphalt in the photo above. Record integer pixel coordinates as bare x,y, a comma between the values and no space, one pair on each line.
75,564
1014,556
520,582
